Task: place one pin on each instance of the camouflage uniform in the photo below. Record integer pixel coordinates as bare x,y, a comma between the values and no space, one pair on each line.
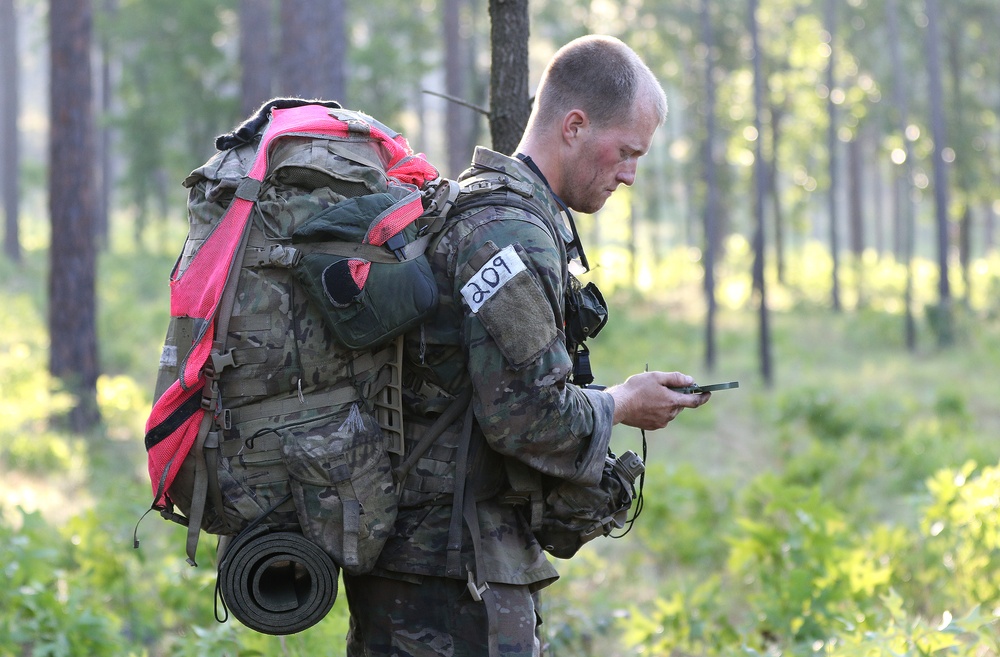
512,354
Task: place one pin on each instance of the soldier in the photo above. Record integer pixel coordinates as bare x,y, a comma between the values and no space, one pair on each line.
441,588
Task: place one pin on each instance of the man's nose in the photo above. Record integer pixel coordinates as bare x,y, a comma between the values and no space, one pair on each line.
626,175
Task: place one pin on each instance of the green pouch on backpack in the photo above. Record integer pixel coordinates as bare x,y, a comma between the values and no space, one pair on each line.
365,301
342,483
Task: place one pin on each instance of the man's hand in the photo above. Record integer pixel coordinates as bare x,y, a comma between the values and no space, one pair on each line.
645,401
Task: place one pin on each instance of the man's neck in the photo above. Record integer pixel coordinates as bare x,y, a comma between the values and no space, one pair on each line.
543,159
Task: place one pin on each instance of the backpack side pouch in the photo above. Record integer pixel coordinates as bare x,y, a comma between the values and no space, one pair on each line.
341,480
364,303
574,515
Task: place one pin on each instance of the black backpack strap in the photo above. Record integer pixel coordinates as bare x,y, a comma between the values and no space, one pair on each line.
458,511
464,511
199,493
443,421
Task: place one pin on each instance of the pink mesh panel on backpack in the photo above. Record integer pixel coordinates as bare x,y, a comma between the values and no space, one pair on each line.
196,291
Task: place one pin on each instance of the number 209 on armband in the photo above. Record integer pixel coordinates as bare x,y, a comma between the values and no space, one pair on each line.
492,276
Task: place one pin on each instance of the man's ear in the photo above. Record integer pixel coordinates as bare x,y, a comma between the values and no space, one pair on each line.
574,122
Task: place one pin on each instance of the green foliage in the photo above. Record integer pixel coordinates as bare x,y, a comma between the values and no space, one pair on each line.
961,527
806,570
43,610
683,514
28,395
393,45
904,635
689,620
176,93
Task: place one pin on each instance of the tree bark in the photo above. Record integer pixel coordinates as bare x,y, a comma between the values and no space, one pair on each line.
10,152
104,143
831,17
256,54
944,311
878,197
635,221
777,114
904,205
72,305
760,190
711,187
336,51
856,220
954,39
313,48
457,128
510,103
989,226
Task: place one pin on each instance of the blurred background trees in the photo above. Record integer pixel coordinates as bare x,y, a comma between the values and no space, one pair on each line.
867,129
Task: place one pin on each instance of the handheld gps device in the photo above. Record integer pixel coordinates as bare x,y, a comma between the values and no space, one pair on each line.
697,389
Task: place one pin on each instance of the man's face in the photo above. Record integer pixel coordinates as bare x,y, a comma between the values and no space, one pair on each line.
606,157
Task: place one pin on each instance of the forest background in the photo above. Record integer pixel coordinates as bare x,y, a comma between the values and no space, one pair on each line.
816,219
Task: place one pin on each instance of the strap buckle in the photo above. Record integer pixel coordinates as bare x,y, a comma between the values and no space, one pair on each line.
221,361
476,591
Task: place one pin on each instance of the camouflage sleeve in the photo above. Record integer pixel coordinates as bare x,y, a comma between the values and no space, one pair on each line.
510,282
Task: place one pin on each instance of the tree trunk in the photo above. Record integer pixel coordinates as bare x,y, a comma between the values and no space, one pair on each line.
256,54
989,227
10,152
954,39
831,141
944,327
965,251
777,114
878,197
635,219
760,190
856,222
458,118
335,33
510,103
105,171
72,312
904,182
712,188
313,46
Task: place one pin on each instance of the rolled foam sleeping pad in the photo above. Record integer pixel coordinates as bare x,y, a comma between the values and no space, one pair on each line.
277,582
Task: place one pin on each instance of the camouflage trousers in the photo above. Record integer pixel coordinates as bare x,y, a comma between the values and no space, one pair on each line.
436,618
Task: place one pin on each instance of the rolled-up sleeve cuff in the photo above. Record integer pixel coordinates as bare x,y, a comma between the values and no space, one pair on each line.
592,461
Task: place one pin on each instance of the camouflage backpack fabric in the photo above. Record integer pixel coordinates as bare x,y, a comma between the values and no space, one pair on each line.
277,399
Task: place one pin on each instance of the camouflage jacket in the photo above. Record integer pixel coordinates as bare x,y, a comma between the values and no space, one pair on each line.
503,336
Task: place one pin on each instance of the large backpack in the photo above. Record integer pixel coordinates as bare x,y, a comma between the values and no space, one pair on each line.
277,400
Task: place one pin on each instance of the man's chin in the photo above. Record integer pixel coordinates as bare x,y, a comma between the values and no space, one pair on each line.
592,209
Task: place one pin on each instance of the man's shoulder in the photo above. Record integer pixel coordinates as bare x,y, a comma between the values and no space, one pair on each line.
499,192
508,181
503,217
